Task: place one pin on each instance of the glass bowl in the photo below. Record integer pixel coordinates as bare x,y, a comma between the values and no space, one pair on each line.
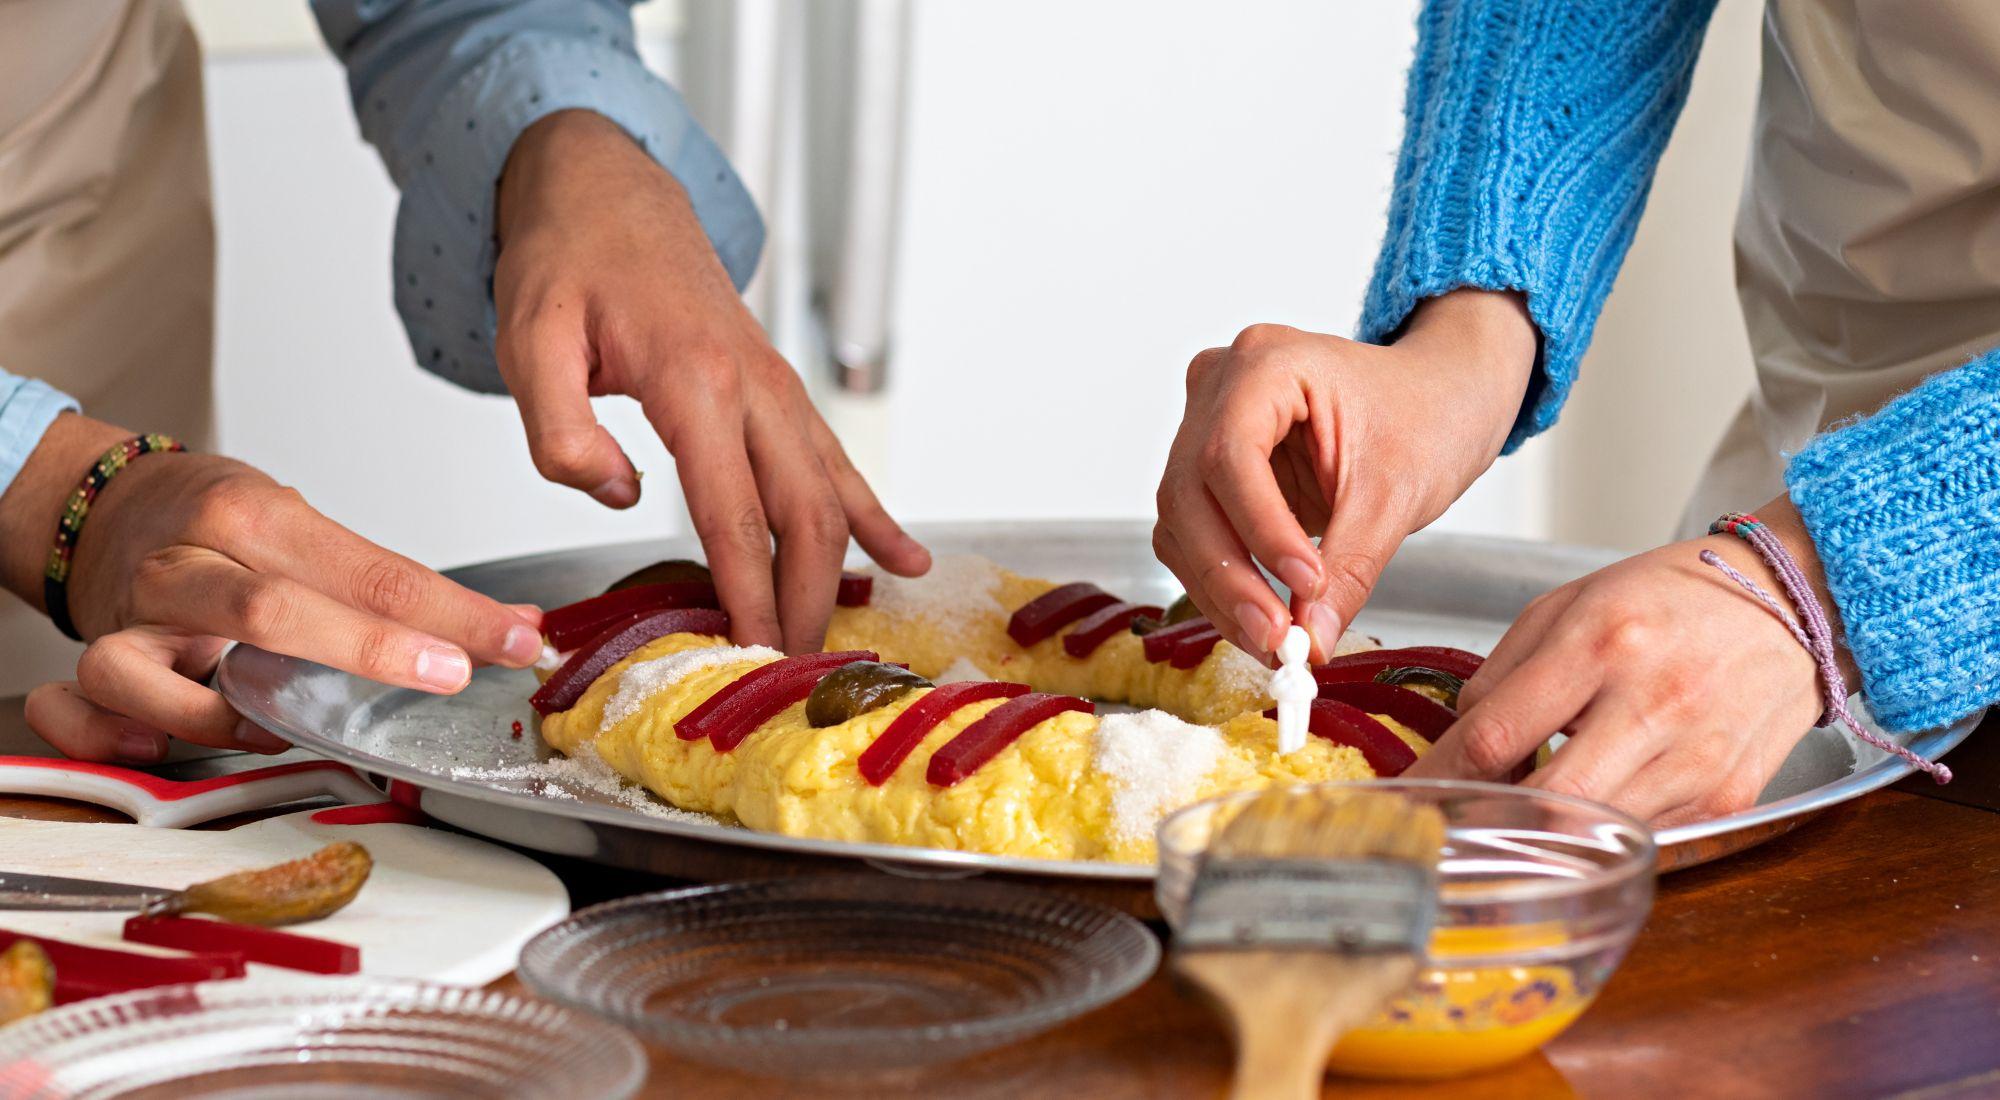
837,974
1540,895
315,1040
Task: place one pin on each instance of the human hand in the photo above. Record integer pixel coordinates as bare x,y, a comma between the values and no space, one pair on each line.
181,554
1680,692
1291,433
606,284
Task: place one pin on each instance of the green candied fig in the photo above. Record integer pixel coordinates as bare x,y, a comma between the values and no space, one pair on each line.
1179,611
664,572
1442,686
852,690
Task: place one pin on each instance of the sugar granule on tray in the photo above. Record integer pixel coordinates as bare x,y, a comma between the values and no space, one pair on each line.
1156,763
562,776
959,589
646,679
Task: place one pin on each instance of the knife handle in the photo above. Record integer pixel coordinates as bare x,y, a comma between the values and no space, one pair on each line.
176,803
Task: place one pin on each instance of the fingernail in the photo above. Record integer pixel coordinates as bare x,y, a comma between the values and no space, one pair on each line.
528,612
444,668
1301,576
522,645
141,746
1256,625
619,492
256,738
1324,626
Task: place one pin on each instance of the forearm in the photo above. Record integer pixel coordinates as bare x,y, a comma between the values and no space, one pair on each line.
33,502
1901,509
1532,132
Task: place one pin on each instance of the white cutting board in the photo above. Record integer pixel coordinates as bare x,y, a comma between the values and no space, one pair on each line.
438,905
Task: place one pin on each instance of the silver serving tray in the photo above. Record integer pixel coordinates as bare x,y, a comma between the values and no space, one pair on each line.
1440,590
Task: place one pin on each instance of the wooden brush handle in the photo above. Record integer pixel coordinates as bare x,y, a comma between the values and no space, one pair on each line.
1288,1009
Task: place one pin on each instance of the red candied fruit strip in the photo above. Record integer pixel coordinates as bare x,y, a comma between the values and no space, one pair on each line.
1160,643
887,752
1041,617
755,697
1193,649
854,590
1365,666
996,729
563,689
572,624
259,945
1096,628
1428,717
83,971
1342,724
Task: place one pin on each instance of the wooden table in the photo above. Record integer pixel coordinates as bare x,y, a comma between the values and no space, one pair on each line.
1857,956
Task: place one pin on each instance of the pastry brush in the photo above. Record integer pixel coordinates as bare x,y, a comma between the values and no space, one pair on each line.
1310,910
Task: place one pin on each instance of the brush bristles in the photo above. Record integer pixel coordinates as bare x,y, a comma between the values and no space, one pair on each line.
1323,824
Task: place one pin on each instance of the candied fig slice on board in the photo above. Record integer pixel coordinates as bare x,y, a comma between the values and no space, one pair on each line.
1160,643
1342,724
1096,628
996,729
907,730
755,697
855,590
308,888
562,690
571,625
1367,665
1041,617
1423,714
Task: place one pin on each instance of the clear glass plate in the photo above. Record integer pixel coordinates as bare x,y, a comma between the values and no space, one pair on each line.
315,1040
832,975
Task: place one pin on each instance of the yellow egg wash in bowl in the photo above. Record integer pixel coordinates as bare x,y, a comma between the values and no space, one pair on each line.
989,774
1540,895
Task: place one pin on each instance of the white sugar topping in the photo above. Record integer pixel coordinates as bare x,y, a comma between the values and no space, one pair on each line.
959,590
961,670
1238,672
646,679
562,776
1156,763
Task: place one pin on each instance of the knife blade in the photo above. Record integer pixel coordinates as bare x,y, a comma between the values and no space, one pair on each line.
21,890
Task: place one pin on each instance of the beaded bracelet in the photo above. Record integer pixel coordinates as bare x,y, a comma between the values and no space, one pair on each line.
55,578
1816,634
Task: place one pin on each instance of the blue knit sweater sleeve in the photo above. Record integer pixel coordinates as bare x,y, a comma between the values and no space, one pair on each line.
1532,128
1904,509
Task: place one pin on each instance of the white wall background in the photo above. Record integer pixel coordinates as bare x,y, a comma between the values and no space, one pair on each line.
1094,192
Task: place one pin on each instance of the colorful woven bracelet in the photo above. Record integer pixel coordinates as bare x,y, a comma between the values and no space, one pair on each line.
55,578
1815,633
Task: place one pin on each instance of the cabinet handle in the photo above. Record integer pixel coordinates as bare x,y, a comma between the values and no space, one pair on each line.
855,304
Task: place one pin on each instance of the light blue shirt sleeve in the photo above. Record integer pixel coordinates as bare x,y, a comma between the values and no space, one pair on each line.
27,408
443,87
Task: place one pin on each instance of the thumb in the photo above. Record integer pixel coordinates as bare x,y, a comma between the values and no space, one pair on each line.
550,379
1360,539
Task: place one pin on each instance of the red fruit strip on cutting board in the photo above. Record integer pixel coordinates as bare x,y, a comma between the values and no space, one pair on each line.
1342,724
1160,643
1428,717
854,590
568,626
95,971
1096,628
1366,666
1049,612
755,697
996,729
1193,649
562,690
907,730
259,945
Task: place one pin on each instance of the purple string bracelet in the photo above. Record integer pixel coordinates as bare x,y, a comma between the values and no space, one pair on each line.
1816,635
